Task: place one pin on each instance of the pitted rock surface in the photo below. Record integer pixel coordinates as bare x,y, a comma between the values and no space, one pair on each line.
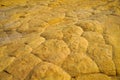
59,39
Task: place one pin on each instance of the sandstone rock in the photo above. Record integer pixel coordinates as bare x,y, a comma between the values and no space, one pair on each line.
33,40
13,3
102,55
71,14
48,71
77,44
2,51
53,32
23,65
115,78
35,43
5,76
9,36
78,63
71,35
5,62
13,46
93,77
24,27
14,35
53,50
71,31
82,14
112,34
91,25
59,39
36,29
12,25
42,2
36,25
70,21
4,39
94,37
25,49
55,35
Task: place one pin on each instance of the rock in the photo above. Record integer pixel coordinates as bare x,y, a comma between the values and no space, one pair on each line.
91,25
5,76
9,36
4,39
53,50
13,46
35,43
22,65
2,51
24,27
94,37
48,71
59,39
82,14
71,31
13,3
33,40
25,49
53,32
77,44
78,63
112,34
14,35
36,25
115,78
96,76
12,25
102,55
5,62
71,35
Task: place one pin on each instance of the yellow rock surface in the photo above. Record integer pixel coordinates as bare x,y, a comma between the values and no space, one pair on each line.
59,39
96,76
53,50
48,71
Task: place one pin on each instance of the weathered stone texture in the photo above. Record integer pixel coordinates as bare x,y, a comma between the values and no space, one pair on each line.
59,39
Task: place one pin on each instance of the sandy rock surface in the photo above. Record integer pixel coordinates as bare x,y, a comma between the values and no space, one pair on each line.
59,39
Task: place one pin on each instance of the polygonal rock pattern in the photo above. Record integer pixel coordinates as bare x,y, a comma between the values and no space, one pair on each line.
79,63
59,39
5,76
95,76
53,50
105,56
4,62
53,32
90,25
22,65
48,71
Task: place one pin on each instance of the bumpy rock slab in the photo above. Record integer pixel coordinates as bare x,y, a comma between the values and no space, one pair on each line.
48,71
5,76
23,65
59,39
93,77
79,63
53,50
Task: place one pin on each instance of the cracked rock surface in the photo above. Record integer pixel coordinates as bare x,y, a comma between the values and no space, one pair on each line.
59,39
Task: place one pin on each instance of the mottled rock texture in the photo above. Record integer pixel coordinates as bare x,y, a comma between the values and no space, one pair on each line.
59,39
